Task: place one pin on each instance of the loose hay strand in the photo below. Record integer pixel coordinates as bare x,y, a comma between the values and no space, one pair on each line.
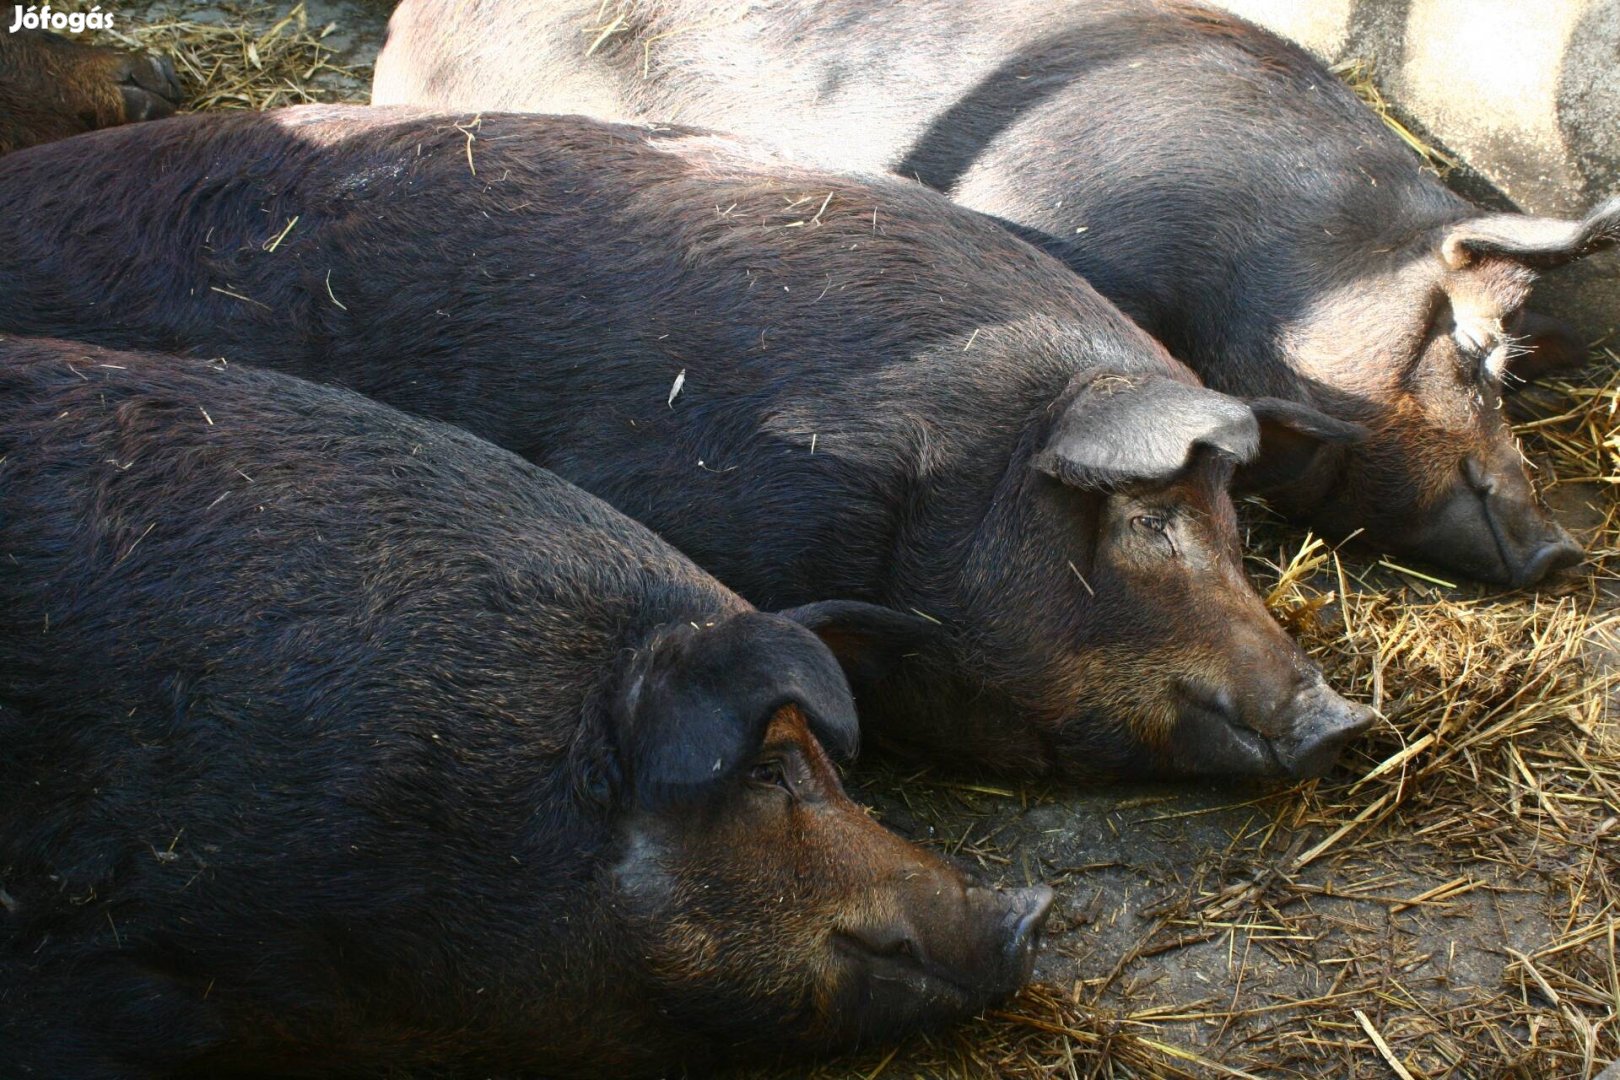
1357,72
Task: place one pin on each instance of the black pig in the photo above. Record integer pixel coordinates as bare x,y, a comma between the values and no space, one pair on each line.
816,386
1215,181
51,87
340,743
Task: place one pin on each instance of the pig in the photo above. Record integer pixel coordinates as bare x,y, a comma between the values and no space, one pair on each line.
339,742
817,386
52,87
1212,179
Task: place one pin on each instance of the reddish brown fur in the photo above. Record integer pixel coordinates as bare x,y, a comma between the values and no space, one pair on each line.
51,88
453,770
863,876
1434,422
1226,646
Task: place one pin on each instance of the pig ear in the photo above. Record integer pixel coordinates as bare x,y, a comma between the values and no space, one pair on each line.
870,642
1117,430
1532,241
697,705
1297,443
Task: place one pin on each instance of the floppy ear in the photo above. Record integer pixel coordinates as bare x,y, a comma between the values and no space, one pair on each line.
1298,444
697,703
870,642
1533,241
1119,429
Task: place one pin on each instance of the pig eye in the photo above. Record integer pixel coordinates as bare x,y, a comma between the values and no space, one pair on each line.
1483,363
1153,526
1470,351
1468,339
1156,527
770,774
1484,349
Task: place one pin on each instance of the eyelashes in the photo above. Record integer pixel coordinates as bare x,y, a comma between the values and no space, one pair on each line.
1494,355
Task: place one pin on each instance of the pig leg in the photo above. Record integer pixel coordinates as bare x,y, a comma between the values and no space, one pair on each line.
51,88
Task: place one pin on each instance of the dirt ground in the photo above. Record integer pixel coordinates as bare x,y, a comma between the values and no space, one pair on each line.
1441,906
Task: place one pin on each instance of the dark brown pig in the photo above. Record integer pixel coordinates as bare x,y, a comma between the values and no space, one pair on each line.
341,743
817,386
1215,181
51,87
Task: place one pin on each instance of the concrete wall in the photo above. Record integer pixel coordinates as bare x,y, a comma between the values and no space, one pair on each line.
1525,93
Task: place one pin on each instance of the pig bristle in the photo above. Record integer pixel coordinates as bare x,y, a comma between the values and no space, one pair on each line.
1357,73
1496,739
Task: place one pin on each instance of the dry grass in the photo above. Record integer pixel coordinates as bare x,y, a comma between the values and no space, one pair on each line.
259,56
1498,768
1358,74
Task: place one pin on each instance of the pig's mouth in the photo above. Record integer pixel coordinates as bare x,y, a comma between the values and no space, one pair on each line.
1525,562
1489,528
1220,743
886,993
901,966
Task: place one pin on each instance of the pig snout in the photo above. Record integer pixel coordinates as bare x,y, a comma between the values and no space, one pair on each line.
1321,724
1297,734
1556,551
942,948
1490,527
150,87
